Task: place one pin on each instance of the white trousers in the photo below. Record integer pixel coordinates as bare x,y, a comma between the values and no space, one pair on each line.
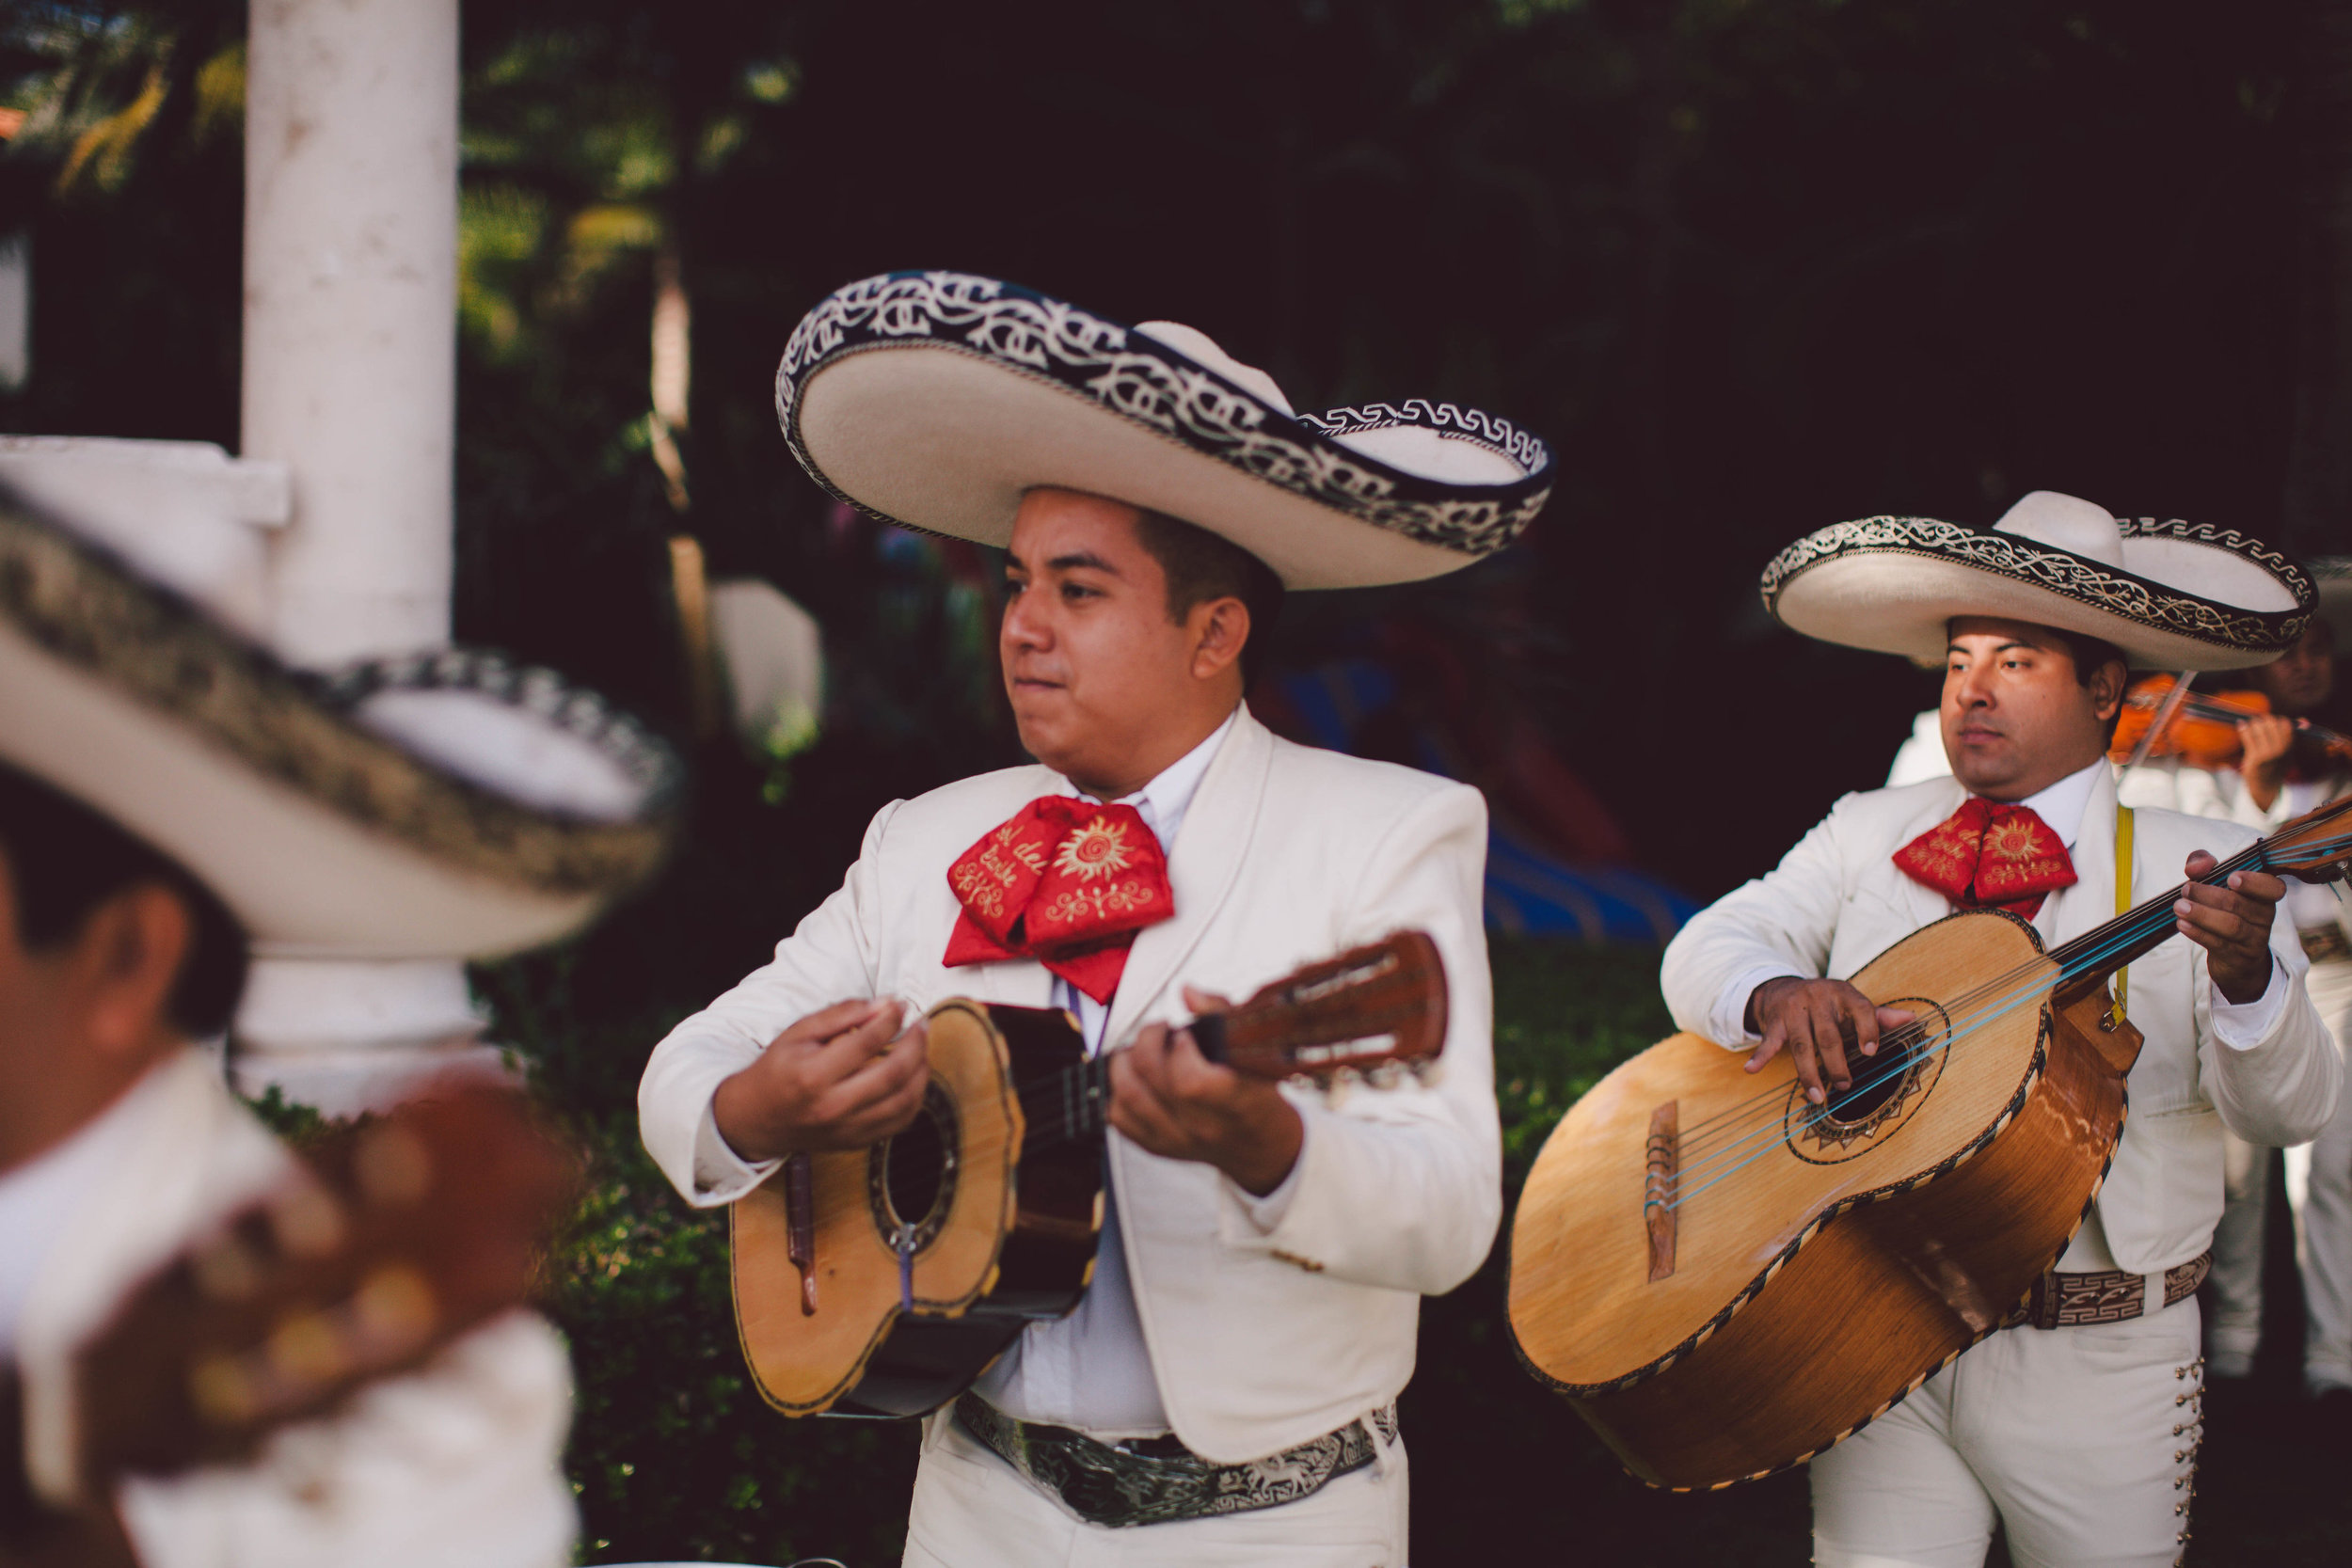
2083,1442
2319,1187
972,1510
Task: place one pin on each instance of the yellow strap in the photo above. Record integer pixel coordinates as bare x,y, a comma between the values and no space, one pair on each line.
2122,903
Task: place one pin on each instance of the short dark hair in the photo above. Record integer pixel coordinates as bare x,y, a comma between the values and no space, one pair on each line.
2090,654
1199,567
65,859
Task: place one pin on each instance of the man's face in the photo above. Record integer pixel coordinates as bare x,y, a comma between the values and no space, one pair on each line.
2015,718
2304,676
1095,670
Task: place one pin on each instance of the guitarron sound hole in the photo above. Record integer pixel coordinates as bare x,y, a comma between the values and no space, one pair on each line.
910,1179
1876,1079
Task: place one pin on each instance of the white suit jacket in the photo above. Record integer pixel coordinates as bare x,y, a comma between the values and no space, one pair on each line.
1258,1340
457,1465
1837,901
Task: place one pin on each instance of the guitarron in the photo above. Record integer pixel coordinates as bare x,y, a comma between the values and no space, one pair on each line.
883,1281
1725,1279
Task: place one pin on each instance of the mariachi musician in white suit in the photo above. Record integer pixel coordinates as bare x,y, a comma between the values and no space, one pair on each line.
1234,1366
170,799
2078,1426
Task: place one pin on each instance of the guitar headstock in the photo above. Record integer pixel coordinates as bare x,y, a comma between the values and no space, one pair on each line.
1371,1009
397,1236
2315,847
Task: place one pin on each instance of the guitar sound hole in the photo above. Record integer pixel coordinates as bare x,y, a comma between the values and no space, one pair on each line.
1876,1079
910,1179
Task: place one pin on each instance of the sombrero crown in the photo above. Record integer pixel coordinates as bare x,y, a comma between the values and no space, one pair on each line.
934,398
2171,595
448,804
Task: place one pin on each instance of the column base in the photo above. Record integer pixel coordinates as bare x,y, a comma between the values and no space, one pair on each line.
347,1036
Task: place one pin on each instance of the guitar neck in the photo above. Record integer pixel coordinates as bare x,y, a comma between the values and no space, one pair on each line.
2090,958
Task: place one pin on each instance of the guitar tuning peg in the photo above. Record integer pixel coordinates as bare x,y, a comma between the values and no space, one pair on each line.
1387,1075
1429,1071
307,1221
393,1168
226,1270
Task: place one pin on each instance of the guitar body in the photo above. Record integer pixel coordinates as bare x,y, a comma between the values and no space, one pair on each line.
1723,1282
884,1281
999,1231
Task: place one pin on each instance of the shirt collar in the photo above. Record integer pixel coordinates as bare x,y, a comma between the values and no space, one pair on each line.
2062,805
1162,804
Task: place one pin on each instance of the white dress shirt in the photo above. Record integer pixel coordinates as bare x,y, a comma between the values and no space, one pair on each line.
2239,1026
1089,1371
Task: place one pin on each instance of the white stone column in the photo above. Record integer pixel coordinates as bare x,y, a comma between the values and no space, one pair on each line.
350,379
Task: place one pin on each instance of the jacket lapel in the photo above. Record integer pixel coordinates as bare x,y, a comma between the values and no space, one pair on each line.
1202,868
2071,912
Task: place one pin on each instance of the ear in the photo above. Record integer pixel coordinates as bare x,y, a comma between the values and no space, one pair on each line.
1219,628
124,966
2106,690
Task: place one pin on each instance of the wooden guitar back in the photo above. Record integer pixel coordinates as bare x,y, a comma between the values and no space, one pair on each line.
1814,1268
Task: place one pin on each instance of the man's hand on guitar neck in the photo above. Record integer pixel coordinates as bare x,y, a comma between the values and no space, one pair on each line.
841,1078
2233,924
1818,1021
1170,1099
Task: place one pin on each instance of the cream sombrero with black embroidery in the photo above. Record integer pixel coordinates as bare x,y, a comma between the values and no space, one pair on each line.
452,804
2172,595
935,398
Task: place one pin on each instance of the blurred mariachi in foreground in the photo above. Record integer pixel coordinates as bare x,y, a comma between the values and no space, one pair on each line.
219,1352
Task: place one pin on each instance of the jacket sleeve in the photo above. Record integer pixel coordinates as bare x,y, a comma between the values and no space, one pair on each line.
831,958
1781,923
458,1464
1402,1188
2281,1090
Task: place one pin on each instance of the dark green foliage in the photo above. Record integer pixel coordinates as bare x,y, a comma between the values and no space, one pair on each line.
673,1452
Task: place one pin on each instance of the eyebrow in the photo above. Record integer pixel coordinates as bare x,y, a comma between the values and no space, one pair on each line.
1950,648
1066,562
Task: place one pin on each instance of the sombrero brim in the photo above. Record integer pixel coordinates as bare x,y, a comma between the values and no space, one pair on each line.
1893,584
323,837
2333,576
935,400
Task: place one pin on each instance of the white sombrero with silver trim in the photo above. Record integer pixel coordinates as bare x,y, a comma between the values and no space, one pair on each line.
934,400
452,804
2171,595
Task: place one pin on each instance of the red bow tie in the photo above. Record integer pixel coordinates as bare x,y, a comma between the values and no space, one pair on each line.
1990,854
1066,882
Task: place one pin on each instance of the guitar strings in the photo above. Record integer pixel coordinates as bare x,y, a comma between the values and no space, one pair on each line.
2082,956
1906,1032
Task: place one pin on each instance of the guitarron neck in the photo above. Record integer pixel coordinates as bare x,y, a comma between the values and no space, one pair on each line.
2100,952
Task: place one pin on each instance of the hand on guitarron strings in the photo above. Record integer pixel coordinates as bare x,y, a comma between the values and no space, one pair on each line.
2231,924
1171,1101
1817,1022
840,1078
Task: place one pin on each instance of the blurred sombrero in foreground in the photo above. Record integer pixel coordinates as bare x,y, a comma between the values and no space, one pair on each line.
450,804
935,398
2171,595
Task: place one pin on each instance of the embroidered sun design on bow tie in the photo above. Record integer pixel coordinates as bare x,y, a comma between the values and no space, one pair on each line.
1098,849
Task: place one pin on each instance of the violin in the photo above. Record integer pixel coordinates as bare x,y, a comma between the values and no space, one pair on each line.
2200,727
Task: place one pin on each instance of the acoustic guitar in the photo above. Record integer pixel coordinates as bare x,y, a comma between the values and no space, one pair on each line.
390,1238
884,1281
1725,1280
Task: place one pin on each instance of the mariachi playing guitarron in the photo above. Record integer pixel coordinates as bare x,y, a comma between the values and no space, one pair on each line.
1942,1235
1224,1391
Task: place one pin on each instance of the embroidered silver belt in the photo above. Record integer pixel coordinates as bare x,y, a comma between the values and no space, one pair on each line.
1156,1481
2110,1296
